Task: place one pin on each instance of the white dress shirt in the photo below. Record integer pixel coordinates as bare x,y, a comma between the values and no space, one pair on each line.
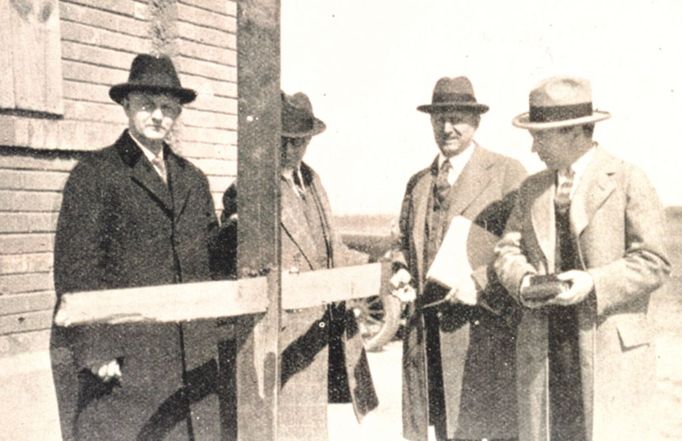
457,162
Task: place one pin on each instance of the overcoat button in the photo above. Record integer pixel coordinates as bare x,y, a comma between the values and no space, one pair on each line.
321,325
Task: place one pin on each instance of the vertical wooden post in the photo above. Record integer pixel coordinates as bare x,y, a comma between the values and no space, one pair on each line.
258,67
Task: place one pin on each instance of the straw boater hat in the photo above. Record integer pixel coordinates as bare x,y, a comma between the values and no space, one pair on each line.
154,74
453,94
560,102
298,120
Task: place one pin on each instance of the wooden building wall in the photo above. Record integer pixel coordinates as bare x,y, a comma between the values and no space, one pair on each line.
58,61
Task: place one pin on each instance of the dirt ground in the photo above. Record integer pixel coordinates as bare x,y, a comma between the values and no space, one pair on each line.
385,422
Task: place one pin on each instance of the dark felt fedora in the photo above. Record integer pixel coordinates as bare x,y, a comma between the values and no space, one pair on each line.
298,120
453,94
154,74
560,102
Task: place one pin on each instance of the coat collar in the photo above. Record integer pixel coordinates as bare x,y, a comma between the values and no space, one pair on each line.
291,214
594,188
142,172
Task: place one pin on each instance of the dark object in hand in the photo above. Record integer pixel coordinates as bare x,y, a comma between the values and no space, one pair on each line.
544,287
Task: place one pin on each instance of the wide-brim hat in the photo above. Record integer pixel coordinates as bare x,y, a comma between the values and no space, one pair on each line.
154,74
298,120
453,94
560,102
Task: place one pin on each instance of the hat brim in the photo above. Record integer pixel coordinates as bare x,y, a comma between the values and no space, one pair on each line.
523,121
318,127
120,91
449,107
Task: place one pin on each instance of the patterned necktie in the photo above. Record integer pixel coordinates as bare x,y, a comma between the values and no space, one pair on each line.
442,187
160,166
562,198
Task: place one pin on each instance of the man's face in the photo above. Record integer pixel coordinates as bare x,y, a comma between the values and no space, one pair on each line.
556,147
454,130
293,150
151,116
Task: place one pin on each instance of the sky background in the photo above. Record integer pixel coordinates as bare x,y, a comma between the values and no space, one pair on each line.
367,65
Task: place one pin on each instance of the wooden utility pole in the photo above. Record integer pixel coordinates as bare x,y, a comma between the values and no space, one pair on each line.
258,351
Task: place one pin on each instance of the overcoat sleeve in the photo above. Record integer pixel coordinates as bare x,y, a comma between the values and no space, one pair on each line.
511,263
80,246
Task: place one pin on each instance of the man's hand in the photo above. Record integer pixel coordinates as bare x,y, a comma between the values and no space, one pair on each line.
581,285
108,371
400,282
466,292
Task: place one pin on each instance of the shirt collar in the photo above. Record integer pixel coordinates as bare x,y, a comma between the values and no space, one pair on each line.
147,153
460,159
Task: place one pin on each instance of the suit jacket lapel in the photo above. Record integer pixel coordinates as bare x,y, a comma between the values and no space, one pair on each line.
542,216
294,223
594,188
473,180
142,171
420,195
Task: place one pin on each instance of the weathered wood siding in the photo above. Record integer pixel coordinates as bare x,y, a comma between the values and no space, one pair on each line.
98,40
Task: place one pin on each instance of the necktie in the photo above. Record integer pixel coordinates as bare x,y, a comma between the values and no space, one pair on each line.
298,185
562,198
442,187
160,166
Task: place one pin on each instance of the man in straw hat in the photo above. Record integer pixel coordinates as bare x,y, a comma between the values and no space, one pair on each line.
133,214
458,364
323,358
594,224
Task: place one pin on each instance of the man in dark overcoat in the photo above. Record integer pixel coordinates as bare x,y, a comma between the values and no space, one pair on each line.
133,214
458,364
585,355
323,358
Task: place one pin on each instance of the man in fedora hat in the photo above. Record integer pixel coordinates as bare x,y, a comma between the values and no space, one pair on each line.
458,365
323,359
595,225
133,214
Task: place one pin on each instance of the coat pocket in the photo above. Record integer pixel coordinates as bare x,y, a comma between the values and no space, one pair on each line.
633,330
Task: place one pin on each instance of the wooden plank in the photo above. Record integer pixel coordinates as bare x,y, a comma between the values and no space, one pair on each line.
79,32
22,303
211,120
78,90
228,7
117,6
202,150
206,36
29,282
30,161
206,300
164,303
32,180
216,167
28,222
209,53
25,263
30,201
103,19
26,243
82,51
25,322
206,69
203,17
315,288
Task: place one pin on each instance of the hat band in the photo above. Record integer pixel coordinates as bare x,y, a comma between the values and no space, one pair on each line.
445,98
559,113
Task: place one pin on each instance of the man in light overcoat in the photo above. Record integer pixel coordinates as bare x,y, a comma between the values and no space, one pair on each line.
458,364
585,356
